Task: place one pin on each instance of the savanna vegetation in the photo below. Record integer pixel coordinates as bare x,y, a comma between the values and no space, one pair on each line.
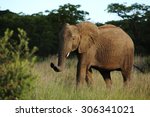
52,85
24,77
16,62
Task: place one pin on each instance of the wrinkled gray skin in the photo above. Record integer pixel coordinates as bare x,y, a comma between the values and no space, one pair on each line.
106,48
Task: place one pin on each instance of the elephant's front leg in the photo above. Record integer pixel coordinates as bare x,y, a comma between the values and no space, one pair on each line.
81,69
81,74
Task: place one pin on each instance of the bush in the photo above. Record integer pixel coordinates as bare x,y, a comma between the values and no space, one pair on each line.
16,61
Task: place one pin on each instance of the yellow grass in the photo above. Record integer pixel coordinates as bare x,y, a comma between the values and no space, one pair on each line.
52,85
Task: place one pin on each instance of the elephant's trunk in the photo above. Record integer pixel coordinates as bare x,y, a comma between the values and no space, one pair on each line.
61,63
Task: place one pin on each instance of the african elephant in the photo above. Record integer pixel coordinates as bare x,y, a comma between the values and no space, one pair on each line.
105,48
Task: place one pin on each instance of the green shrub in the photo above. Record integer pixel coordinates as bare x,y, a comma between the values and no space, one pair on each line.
16,61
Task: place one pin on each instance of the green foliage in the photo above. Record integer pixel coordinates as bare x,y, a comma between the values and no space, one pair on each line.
135,11
69,13
42,29
136,20
16,61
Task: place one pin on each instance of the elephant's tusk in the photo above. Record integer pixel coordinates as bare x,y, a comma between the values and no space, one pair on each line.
68,54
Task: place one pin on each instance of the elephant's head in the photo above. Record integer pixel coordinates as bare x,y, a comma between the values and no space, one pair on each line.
73,37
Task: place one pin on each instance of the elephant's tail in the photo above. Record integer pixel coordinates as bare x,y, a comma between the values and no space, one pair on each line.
139,69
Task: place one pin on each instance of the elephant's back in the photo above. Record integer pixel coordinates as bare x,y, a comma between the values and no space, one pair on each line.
115,36
114,46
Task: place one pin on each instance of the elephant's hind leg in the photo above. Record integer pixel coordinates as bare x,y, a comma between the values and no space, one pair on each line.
107,78
89,79
127,67
126,77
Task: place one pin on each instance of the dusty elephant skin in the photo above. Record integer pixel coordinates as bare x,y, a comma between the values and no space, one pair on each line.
106,48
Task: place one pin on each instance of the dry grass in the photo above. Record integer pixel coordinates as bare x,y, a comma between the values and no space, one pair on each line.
52,85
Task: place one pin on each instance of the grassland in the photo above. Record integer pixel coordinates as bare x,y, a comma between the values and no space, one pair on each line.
61,86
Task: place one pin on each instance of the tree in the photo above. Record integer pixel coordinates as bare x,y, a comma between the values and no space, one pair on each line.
69,13
134,18
42,29
134,12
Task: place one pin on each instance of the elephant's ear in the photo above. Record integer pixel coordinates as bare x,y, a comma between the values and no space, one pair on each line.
85,43
88,35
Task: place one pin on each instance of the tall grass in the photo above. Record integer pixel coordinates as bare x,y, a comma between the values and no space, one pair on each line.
61,86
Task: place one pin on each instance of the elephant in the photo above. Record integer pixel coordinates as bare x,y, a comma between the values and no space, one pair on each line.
106,48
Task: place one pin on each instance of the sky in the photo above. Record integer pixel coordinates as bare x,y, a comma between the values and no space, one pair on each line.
96,8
